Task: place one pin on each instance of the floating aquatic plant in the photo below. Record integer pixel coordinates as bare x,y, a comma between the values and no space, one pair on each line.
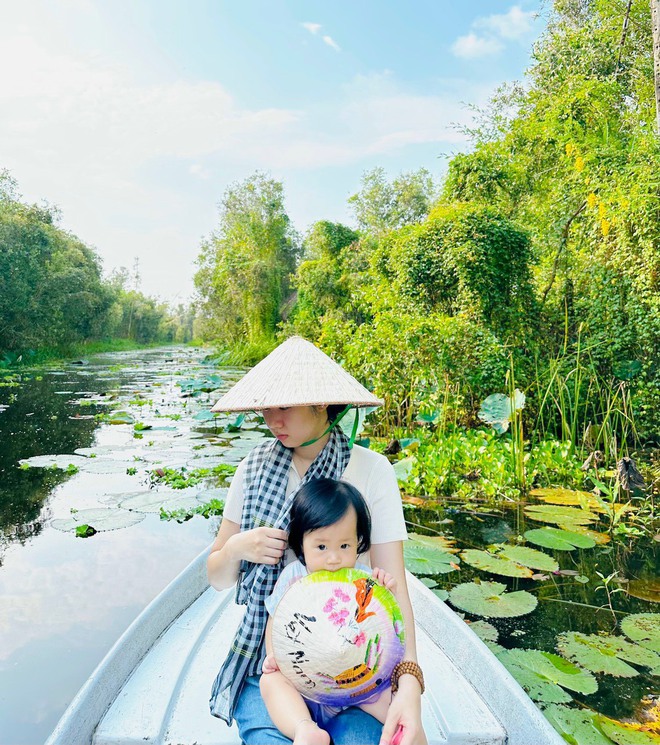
560,515
544,675
403,468
530,557
494,563
567,497
577,726
490,599
644,629
605,653
98,518
558,539
484,630
441,542
425,560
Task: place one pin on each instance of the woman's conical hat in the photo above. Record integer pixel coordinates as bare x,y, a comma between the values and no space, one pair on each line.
295,374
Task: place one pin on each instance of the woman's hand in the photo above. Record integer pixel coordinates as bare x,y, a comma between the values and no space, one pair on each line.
405,712
259,545
384,578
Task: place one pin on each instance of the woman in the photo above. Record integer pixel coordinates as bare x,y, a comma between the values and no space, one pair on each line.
300,392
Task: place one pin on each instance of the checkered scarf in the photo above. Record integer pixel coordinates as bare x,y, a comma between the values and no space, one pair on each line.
265,504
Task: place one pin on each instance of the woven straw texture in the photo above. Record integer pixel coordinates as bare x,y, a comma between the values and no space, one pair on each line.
295,374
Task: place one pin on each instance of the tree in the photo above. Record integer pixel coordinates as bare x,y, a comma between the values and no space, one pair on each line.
380,206
246,264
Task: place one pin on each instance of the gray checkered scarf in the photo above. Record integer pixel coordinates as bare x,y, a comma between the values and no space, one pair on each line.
265,503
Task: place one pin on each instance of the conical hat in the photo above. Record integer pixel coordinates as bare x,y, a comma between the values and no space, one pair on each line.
337,636
295,374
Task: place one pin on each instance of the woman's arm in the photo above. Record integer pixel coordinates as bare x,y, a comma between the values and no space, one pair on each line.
231,546
405,709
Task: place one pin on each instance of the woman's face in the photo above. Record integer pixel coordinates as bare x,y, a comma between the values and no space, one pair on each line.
297,424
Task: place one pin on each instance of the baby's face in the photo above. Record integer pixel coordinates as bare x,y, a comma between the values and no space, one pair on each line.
333,547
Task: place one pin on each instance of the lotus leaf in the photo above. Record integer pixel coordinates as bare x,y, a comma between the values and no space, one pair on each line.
576,726
490,600
643,628
426,560
498,409
99,518
494,563
530,557
403,468
119,417
624,733
605,654
484,630
567,497
565,516
542,673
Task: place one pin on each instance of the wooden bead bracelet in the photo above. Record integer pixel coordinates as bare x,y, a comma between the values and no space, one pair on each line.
406,667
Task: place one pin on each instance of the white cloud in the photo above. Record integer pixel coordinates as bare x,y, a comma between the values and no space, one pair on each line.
472,46
332,43
516,24
313,28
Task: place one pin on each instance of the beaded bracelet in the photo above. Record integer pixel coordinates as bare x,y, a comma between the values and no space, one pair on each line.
409,667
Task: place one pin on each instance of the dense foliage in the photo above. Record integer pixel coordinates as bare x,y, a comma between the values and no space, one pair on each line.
53,294
541,250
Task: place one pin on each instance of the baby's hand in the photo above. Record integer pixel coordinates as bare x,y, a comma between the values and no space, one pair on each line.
384,578
270,665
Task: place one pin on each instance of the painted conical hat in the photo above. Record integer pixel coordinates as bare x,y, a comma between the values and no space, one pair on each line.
295,374
337,636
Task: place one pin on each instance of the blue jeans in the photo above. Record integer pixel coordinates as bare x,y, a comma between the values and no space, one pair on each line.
350,727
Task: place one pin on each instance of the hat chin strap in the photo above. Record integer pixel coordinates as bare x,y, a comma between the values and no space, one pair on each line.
351,439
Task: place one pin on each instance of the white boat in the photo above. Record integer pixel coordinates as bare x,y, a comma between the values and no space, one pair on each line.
153,686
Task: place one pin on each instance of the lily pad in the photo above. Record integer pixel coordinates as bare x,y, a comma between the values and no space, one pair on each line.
428,582
498,409
119,417
484,630
490,600
153,501
624,733
576,726
494,563
435,541
530,557
99,518
442,594
644,589
558,539
565,516
605,654
567,497
426,560
643,628
61,462
544,675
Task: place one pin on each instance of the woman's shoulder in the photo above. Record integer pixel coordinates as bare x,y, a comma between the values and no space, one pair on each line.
362,456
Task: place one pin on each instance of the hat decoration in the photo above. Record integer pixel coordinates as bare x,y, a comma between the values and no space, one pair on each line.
296,373
337,636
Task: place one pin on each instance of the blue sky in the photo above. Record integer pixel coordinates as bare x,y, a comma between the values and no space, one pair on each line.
134,116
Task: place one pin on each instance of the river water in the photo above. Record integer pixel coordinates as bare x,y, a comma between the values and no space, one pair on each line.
65,600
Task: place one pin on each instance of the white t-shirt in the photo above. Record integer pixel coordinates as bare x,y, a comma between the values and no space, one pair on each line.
369,472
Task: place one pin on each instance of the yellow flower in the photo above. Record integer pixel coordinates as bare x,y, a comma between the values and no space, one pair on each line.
570,149
579,164
601,211
592,200
605,226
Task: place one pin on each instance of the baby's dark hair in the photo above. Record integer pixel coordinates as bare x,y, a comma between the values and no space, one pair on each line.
323,502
